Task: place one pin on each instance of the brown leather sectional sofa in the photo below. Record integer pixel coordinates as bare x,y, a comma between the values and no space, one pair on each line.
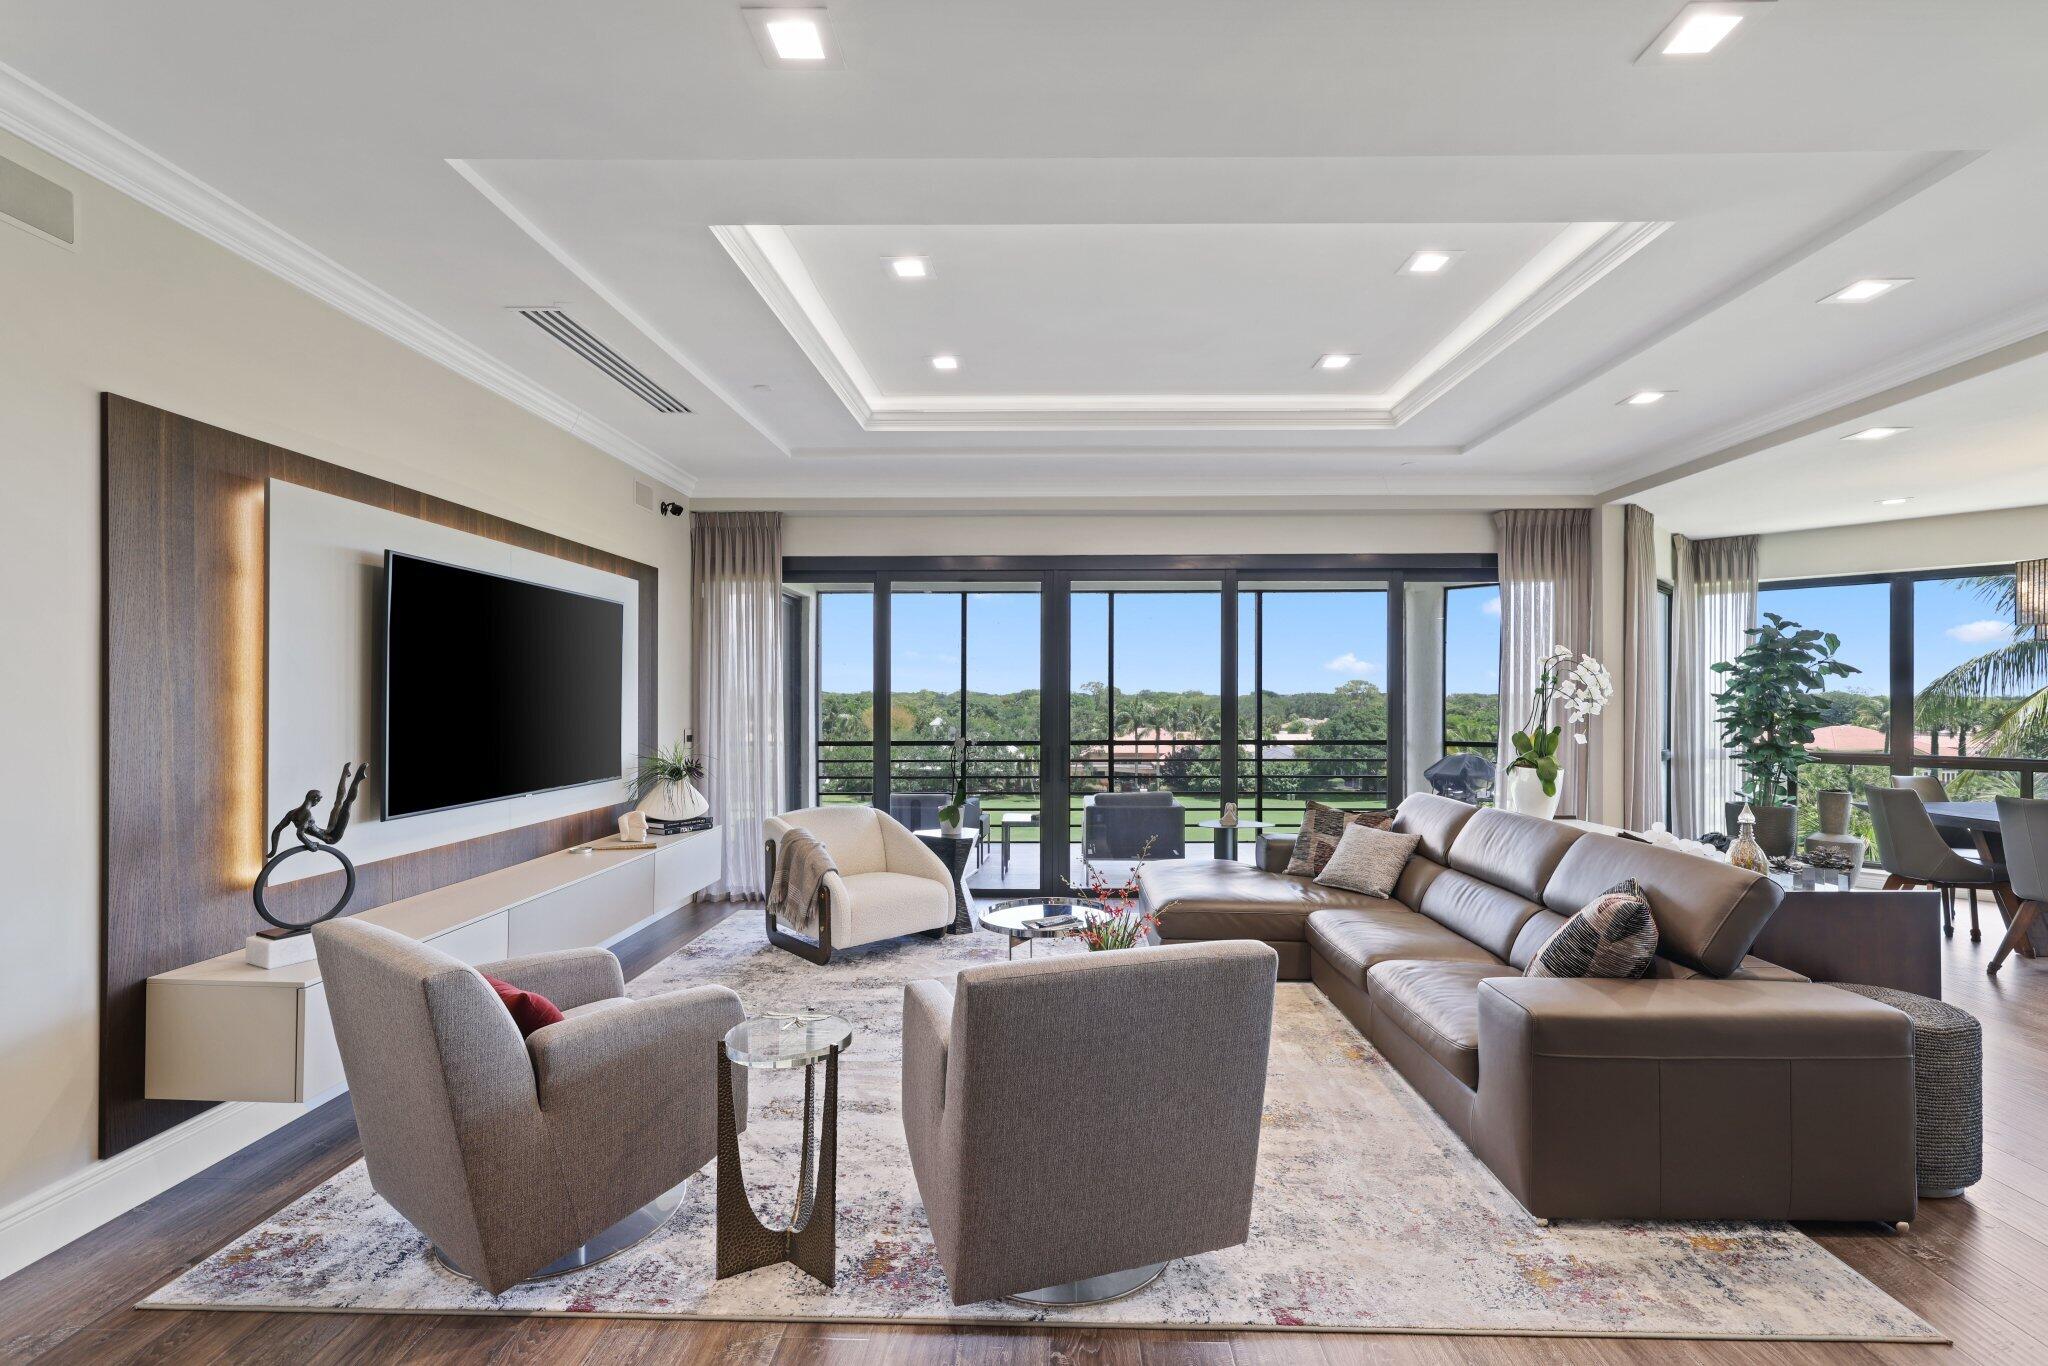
1721,1087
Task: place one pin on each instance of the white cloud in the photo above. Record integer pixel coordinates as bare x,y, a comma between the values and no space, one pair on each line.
1491,606
1980,632
1350,663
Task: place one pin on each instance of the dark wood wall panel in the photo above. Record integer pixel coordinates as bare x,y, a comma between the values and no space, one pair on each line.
184,558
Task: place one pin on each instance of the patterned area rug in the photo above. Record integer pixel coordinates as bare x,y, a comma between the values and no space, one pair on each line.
1370,1214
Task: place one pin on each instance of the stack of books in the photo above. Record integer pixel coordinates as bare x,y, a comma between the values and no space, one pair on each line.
655,827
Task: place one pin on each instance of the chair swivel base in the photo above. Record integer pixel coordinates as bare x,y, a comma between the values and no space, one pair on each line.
1093,1289
629,1232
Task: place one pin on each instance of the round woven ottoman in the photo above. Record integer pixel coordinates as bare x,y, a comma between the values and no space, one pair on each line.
1948,1090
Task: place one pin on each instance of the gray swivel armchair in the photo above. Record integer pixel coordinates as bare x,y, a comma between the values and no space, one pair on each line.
1120,825
1913,852
2023,823
522,1157
1014,1078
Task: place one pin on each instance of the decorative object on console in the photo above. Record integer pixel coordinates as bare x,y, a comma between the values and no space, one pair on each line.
1613,937
950,813
1582,685
665,786
1832,846
1368,861
1745,852
633,827
313,839
1322,830
1768,710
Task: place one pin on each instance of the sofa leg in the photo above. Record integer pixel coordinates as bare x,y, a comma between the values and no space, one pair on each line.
1543,1223
1902,1227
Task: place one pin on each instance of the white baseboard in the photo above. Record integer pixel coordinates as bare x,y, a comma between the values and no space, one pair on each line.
38,1224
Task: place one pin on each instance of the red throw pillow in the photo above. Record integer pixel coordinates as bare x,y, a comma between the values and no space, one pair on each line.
530,1010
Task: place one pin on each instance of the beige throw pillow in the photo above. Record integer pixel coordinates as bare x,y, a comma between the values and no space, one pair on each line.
1369,861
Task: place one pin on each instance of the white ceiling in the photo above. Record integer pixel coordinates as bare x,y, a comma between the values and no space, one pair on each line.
1146,220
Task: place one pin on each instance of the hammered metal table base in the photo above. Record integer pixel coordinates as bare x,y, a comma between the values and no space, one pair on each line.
810,1241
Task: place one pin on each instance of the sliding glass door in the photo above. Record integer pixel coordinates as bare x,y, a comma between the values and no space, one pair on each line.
1100,717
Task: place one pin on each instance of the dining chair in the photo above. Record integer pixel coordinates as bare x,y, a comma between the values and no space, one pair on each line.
1932,789
2024,824
1913,853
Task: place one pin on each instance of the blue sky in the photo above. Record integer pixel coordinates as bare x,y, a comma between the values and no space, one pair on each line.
1165,641
1952,623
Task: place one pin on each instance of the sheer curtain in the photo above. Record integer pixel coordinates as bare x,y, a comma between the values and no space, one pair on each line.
1642,694
1546,603
1713,602
736,682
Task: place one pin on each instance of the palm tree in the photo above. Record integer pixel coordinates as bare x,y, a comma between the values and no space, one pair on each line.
2014,677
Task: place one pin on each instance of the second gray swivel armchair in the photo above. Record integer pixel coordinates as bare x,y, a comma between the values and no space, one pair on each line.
1077,1122
1914,853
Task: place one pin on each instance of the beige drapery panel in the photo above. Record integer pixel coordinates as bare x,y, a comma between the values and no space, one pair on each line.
1713,602
1642,693
1546,603
736,683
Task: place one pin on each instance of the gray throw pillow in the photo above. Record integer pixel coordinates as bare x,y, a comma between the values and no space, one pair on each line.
1368,860
1322,827
1614,935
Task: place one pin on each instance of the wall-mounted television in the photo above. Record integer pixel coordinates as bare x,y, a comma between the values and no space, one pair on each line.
495,687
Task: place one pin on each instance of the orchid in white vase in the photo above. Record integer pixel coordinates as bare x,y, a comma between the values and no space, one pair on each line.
1582,686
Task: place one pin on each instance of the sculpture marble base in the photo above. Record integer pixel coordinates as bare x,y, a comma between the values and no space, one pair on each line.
263,951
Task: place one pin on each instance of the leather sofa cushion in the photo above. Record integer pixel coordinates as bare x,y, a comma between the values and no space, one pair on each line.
1519,853
1436,819
1436,1005
1215,899
1352,942
1583,1017
1708,912
1488,915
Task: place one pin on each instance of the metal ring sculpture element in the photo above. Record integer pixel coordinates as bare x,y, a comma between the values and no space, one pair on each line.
348,890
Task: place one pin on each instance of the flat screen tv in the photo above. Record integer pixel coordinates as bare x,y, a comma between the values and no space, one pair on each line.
495,687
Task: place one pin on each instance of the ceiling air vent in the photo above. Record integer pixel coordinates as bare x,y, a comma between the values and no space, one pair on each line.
571,334
34,202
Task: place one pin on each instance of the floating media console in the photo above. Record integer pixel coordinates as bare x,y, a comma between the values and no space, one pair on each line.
227,1030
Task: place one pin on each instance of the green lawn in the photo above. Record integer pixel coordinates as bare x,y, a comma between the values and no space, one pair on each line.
1282,817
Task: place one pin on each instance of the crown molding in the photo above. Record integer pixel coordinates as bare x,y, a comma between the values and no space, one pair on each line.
46,120
1583,255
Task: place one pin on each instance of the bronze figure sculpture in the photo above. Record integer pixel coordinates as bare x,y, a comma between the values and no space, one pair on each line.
312,839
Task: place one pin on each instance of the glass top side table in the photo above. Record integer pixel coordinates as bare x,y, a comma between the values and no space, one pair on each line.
1010,918
783,1042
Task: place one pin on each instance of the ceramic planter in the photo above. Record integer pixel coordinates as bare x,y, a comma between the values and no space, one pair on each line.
677,801
1522,790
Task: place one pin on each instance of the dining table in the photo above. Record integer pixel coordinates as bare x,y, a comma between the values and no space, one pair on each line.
1979,820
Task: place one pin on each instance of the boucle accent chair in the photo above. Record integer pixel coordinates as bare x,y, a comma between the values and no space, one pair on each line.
1077,1122
888,883
512,1153
1721,1087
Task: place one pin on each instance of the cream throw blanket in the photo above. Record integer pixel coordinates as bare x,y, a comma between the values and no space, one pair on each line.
801,865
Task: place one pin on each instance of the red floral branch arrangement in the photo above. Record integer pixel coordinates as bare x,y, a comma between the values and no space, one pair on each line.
1119,924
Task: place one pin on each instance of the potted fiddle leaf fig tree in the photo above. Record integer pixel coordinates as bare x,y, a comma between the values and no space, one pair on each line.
1768,712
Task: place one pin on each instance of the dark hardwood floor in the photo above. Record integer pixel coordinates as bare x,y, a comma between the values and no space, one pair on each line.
1975,1267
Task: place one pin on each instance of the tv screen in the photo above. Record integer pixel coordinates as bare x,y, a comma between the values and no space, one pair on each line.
494,687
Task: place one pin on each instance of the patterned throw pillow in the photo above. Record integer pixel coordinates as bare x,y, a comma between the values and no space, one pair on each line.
1322,829
1613,936
1368,860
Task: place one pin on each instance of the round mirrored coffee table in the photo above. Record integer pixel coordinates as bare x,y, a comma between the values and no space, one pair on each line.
778,1042
1012,919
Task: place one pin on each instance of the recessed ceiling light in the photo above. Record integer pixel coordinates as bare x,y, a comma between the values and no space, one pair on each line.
1335,360
1875,433
945,362
910,267
793,36
1699,28
1428,261
1891,502
1643,398
1863,291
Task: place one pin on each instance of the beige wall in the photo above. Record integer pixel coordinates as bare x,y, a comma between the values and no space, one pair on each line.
1954,542
1139,533
147,309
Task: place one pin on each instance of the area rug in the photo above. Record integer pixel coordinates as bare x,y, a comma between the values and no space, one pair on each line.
1370,1215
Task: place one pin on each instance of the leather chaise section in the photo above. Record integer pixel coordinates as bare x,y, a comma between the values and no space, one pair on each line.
1437,1006
1213,899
